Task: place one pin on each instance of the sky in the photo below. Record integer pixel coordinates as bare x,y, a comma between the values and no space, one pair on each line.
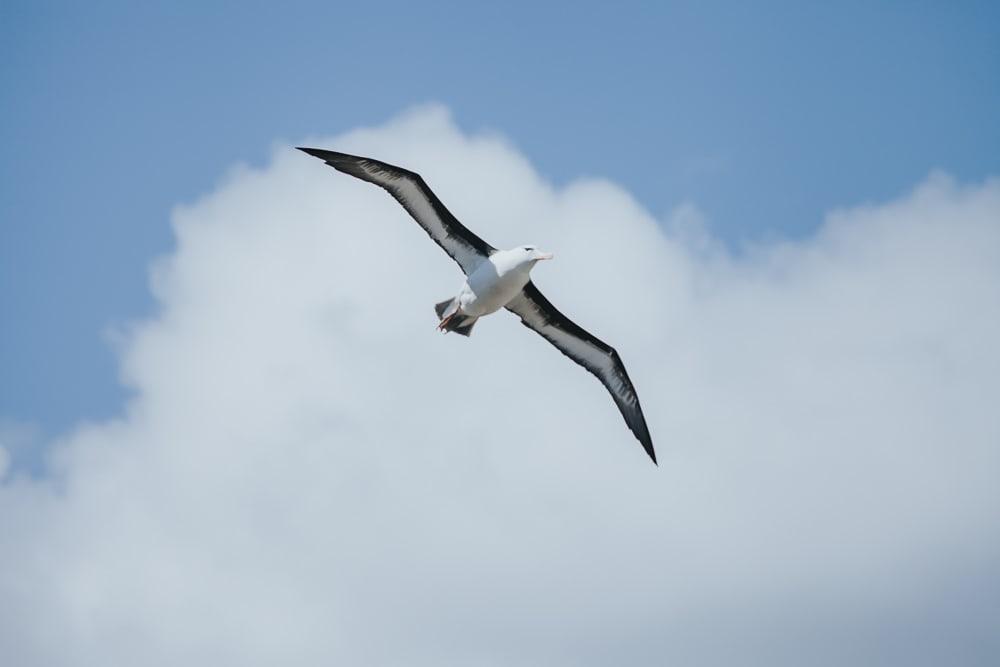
786,220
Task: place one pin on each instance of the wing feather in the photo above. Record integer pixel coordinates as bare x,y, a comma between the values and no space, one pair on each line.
538,313
410,190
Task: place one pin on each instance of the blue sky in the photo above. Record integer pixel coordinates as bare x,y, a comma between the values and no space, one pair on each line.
765,117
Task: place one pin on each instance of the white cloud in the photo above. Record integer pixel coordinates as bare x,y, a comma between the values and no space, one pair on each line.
310,474
18,446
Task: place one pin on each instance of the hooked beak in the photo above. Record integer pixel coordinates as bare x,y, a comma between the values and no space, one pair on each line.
544,255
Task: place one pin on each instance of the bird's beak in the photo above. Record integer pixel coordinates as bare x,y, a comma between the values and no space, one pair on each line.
544,255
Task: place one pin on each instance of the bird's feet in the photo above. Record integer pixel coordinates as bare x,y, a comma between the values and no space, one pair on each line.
443,324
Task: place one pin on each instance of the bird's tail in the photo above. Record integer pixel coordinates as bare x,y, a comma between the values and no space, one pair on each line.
452,320
442,308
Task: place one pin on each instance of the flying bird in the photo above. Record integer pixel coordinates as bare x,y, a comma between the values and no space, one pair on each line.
496,279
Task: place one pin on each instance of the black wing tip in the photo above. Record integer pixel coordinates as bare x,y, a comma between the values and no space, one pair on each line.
321,153
315,152
641,432
349,164
354,164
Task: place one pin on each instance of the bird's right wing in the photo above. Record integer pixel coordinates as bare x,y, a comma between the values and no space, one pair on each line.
538,313
410,190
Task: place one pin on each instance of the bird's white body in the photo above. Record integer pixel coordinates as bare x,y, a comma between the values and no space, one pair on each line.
497,280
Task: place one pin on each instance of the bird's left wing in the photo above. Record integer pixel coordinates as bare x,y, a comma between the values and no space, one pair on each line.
410,190
538,313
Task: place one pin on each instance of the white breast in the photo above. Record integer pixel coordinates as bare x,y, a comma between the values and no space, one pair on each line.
492,285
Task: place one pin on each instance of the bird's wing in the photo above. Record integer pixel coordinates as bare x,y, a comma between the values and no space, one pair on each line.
538,313
412,192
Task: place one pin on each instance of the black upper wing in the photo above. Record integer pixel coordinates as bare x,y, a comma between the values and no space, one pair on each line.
412,192
538,313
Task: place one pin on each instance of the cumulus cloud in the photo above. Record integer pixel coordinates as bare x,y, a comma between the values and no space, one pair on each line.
310,474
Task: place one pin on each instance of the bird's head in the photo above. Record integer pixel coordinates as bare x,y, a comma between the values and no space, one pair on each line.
532,254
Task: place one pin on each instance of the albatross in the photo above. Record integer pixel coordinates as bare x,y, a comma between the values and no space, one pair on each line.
496,279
